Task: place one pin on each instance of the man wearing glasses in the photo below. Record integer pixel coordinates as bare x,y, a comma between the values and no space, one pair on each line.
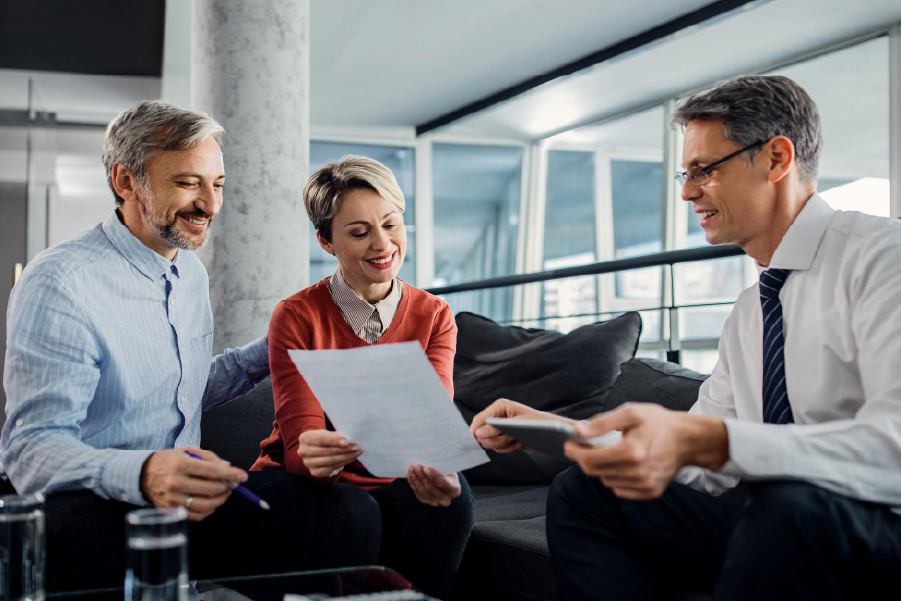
804,403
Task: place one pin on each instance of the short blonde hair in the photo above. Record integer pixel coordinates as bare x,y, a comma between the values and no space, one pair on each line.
325,188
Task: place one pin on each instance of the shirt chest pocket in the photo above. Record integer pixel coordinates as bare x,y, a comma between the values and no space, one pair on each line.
203,345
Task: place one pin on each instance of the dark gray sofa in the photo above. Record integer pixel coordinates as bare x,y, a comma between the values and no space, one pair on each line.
507,555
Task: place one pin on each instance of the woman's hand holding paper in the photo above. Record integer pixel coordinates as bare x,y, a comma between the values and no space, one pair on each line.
432,487
324,453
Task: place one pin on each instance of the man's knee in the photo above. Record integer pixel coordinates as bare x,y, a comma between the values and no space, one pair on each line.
779,520
76,515
573,490
783,509
574,498
85,540
792,538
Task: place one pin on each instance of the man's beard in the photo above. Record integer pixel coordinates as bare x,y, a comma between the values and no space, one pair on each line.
168,229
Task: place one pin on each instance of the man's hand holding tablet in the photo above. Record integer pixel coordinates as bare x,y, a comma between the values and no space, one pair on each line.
549,436
493,439
507,426
655,443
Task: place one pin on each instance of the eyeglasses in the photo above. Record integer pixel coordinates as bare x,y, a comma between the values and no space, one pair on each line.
698,176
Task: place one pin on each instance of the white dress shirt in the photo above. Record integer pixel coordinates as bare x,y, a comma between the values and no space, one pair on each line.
842,313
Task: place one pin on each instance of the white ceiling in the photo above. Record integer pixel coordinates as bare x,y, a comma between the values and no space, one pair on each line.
849,86
398,62
751,40
393,62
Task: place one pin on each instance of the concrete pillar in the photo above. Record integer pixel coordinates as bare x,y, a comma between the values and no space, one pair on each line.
250,66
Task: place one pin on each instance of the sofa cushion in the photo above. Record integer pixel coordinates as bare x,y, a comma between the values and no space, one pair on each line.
653,381
234,430
567,374
507,555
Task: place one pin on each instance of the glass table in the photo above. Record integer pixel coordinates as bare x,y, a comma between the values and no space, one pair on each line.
274,587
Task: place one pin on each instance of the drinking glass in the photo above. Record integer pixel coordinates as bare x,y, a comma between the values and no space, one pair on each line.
157,541
22,553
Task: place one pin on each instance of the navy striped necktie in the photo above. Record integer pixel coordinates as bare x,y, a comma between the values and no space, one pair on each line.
776,409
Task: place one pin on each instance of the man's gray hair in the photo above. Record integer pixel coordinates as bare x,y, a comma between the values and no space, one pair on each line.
757,108
149,126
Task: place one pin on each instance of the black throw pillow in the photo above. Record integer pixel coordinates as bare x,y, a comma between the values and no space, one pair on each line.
566,374
652,381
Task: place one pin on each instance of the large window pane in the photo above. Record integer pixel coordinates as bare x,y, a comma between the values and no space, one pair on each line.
569,238
851,90
628,155
700,361
401,163
569,218
634,148
476,207
606,180
637,188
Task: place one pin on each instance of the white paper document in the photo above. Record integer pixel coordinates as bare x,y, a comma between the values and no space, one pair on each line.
389,400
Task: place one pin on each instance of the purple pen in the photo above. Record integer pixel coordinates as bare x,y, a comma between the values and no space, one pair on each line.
241,490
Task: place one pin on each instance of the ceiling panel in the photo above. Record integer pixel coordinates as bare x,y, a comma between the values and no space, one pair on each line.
395,63
747,41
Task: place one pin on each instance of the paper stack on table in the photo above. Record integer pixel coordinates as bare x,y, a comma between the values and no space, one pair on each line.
389,400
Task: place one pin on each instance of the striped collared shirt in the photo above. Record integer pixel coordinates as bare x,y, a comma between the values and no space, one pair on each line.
367,321
108,359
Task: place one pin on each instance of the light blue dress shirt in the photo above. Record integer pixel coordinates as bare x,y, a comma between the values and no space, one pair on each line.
108,359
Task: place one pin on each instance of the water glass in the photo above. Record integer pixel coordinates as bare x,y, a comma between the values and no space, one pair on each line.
157,541
22,552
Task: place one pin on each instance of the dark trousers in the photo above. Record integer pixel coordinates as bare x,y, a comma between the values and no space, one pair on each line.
86,534
787,540
423,543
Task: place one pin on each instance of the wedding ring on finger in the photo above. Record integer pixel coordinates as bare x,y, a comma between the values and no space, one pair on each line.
188,502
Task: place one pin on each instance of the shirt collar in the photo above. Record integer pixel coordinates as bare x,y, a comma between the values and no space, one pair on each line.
799,245
357,311
145,260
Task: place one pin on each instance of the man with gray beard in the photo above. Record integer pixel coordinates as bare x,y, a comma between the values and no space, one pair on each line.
109,366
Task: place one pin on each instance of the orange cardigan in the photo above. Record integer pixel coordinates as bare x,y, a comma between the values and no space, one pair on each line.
311,320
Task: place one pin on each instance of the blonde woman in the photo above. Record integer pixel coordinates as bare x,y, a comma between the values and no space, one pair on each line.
357,209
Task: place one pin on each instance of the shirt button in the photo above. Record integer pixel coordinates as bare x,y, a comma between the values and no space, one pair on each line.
19,422
124,496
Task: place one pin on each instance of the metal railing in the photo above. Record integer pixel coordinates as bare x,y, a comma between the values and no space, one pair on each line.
665,259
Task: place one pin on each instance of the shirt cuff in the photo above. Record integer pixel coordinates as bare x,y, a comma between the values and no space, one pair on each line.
756,450
704,480
121,476
254,359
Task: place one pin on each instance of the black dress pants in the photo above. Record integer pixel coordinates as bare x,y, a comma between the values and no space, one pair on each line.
86,534
423,543
788,540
